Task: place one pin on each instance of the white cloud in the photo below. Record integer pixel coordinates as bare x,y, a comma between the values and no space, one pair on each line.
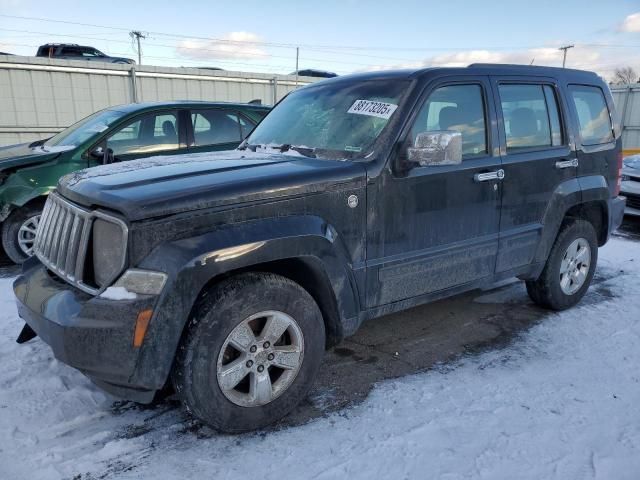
234,45
538,56
631,23
602,61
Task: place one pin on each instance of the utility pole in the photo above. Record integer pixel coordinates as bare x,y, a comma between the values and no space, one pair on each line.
297,60
564,53
138,35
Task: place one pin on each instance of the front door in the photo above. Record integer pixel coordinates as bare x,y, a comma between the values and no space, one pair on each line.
436,227
147,135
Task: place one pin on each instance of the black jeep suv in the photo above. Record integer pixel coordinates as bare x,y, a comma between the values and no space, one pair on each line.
229,274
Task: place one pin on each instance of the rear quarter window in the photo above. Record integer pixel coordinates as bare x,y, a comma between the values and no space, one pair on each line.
594,120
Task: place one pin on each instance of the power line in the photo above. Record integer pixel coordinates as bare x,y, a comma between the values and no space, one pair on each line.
306,46
224,62
203,49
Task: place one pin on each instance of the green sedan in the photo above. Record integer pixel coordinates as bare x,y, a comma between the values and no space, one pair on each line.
28,172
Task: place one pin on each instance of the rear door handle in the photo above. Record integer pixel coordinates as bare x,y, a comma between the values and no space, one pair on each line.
567,163
488,176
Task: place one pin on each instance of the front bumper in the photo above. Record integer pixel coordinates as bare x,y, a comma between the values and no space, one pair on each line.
91,334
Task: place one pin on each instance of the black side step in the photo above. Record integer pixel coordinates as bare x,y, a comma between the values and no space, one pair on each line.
26,334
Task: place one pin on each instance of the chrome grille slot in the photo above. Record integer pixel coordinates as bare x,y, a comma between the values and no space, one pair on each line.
63,237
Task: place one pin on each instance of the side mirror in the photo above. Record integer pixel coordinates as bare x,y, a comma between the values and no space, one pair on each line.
105,155
97,153
442,147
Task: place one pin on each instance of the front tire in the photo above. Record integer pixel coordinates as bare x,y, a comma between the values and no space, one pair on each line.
569,269
19,232
251,352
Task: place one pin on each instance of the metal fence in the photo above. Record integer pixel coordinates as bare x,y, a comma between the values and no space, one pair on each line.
40,96
627,100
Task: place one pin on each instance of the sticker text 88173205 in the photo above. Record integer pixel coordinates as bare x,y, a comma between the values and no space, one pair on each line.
372,108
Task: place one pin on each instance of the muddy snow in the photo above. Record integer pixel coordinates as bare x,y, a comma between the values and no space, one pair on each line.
560,400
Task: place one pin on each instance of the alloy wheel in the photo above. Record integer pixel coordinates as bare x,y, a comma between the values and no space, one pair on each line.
574,266
260,358
27,234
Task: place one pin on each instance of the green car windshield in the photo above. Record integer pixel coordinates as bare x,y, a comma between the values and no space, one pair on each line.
334,120
80,132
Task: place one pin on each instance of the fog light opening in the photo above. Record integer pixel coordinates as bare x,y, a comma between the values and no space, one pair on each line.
142,322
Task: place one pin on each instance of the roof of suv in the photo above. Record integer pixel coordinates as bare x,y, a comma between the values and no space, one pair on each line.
475,68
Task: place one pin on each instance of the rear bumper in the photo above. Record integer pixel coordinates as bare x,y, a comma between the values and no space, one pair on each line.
616,213
91,334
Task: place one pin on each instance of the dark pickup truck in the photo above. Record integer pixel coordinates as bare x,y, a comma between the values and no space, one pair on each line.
228,274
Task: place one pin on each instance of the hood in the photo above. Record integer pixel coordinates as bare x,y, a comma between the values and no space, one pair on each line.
160,186
632,162
23,155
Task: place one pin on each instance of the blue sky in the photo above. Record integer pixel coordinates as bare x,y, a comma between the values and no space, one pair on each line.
341,36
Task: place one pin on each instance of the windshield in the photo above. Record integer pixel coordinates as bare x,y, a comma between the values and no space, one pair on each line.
83,130
337,119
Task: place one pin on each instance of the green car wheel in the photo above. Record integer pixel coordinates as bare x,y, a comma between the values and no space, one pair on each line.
19,232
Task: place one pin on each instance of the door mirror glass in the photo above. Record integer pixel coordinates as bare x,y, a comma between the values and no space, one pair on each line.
97,153
435,148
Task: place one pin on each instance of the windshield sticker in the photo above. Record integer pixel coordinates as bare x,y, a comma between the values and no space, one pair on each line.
349,148
373,109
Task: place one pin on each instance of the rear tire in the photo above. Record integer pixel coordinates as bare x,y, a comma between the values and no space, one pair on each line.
569,269
237,379
18,232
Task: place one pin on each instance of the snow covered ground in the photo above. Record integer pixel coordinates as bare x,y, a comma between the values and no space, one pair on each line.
562,400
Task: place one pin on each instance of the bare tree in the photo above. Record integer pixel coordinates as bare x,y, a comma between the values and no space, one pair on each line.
624,75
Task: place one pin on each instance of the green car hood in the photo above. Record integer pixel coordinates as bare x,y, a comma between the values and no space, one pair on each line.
23,155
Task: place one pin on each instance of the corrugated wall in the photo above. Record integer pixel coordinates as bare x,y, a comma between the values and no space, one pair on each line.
39,97
627,100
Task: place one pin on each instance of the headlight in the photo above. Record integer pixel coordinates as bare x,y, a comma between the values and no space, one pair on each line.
109,248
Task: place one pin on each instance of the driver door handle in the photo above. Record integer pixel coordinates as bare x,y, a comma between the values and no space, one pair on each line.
567,163
488,176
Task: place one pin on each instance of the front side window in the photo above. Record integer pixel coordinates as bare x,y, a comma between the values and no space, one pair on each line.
150,133
531,118
593,114
211,127
459,108
72,51
337,120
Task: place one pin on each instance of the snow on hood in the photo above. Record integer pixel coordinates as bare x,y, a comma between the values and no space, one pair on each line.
160,161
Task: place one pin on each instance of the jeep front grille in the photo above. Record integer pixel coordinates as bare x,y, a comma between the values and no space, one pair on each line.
63,240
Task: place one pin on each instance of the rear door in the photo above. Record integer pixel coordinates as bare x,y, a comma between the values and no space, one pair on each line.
217,129
537,156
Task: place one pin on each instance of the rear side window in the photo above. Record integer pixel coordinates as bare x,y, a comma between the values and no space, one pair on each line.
593,114
211,127
531,118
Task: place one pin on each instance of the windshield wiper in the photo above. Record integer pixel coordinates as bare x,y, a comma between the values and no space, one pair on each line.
285,147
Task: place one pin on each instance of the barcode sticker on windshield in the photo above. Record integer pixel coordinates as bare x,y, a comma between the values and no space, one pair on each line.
373,109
